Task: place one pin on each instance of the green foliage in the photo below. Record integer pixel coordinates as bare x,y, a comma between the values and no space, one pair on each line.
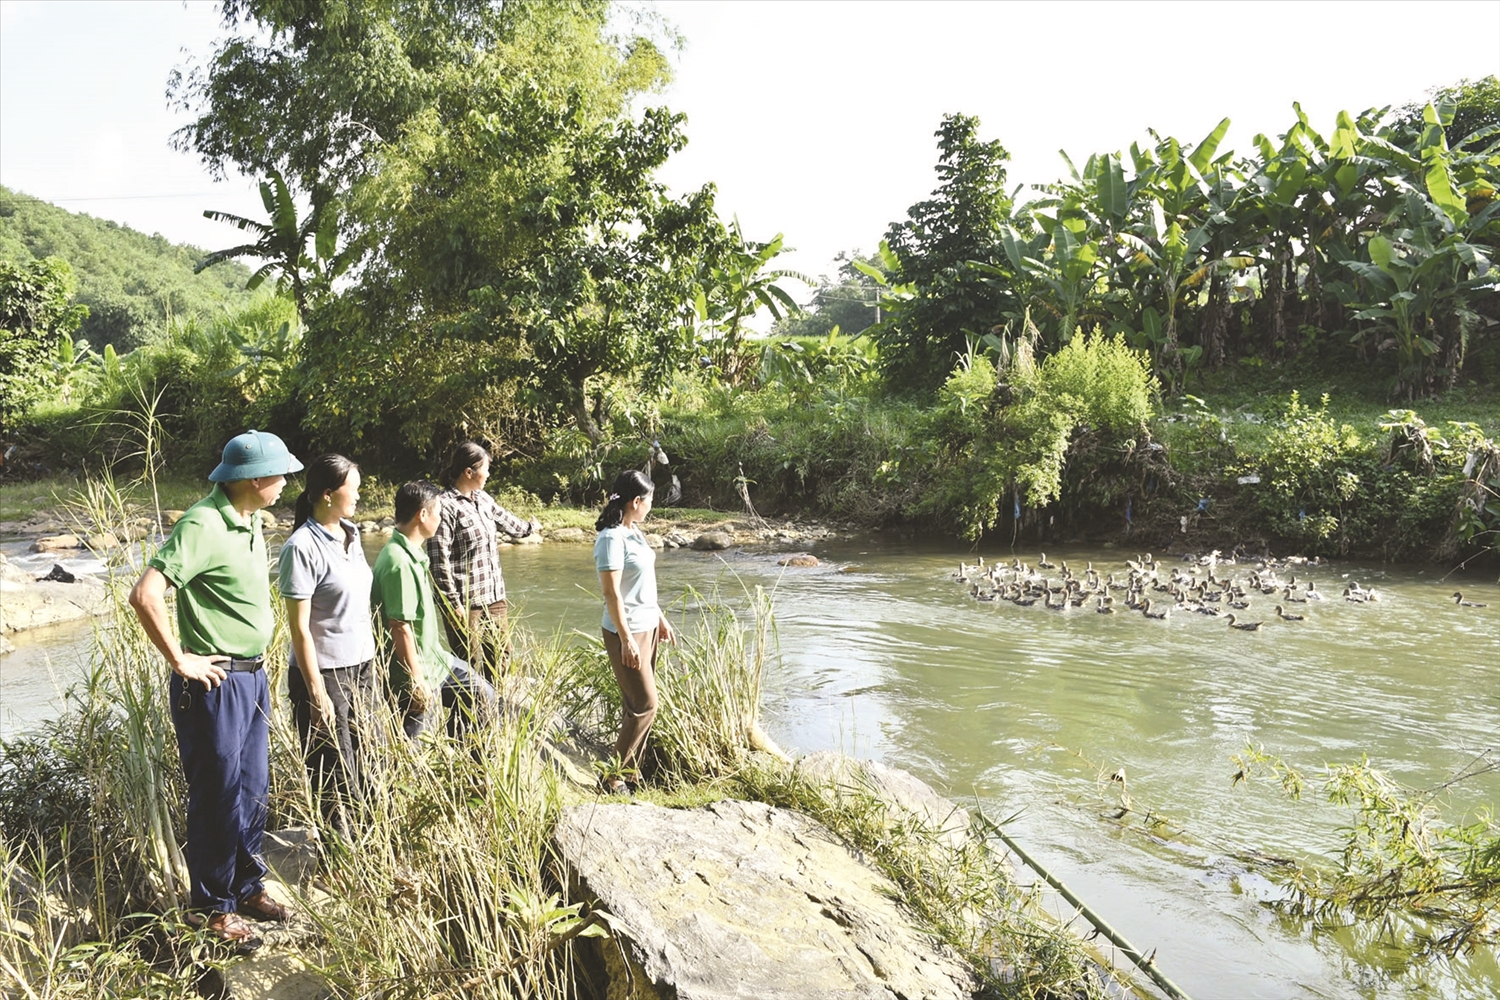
282,243
516,257
736,284
1008,438
1473,105
1377,235
831,367
36,310
132,284
1427,883
847,303
1311,471
948,303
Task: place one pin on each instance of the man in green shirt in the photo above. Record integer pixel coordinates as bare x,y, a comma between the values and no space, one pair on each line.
403,599
220,702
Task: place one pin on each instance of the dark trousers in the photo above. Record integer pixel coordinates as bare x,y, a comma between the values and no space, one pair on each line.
481,637
337,758
465,698
223,737
637,692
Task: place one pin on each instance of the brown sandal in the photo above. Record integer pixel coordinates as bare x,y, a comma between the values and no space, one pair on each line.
262,906
230,928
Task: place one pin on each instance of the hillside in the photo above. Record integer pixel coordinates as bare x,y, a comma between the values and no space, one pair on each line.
131,282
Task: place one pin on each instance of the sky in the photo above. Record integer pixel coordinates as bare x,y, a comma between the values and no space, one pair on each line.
814,119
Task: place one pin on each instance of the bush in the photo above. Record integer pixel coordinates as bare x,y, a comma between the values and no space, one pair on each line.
1009,436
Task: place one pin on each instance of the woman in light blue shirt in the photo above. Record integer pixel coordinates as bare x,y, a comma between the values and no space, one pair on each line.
627,573
325,580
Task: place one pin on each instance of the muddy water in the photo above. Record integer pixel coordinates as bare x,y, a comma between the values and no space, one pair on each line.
1029,711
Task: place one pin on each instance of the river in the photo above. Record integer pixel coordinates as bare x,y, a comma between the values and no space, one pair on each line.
1027,712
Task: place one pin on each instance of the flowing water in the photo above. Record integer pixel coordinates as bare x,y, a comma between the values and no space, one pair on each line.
1028,712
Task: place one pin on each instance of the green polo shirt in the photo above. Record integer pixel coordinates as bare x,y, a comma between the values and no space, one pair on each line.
402,591
218,564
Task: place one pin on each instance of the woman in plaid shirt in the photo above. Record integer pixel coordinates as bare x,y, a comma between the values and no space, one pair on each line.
466,560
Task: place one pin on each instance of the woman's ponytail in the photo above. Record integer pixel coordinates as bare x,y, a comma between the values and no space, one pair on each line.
628,485
304,509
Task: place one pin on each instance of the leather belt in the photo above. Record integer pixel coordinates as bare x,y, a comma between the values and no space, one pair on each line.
245,666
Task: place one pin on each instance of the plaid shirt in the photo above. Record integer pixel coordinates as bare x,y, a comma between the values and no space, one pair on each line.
465,561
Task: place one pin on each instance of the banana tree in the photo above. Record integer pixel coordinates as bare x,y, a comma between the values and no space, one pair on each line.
1176,219
1427,269
734,289
282,242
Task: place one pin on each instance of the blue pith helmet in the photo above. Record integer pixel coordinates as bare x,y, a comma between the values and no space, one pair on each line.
254,454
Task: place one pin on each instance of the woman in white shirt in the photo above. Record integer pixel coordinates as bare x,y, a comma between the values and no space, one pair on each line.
627,574
325,580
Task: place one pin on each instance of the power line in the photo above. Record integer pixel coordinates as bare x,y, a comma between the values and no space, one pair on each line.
136,197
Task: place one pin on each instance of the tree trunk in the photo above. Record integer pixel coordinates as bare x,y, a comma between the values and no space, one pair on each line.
1214,316
1275,290
582,416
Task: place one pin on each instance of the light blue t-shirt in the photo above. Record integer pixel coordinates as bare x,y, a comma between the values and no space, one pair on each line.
625,549
331,571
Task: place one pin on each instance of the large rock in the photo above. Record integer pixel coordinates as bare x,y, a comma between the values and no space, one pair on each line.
741,899
57,543
575,535
713,541
27,603
903,793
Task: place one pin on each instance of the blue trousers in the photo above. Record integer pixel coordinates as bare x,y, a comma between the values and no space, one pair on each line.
223,737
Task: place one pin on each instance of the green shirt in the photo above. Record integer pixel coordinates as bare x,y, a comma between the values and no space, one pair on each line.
218,564
402,591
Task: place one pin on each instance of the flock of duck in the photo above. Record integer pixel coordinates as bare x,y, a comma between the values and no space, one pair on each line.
1157,591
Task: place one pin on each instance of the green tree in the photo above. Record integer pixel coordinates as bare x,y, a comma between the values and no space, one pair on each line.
1470,106
738,283
282,243
950,303
36,309
527,244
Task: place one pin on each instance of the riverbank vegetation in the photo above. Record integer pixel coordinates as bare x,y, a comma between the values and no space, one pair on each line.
489,254
452,885
1316,442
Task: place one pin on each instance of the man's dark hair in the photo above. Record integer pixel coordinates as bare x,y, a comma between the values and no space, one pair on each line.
412,497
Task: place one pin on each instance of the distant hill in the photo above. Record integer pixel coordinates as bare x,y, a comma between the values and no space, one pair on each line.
131,282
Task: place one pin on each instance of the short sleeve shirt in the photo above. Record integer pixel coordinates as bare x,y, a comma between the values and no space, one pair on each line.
625,549
402,591
330,571
217,562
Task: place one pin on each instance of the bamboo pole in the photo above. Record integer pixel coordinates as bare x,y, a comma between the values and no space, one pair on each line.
1143,962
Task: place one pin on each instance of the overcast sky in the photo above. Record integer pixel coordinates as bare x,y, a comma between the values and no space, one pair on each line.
814,119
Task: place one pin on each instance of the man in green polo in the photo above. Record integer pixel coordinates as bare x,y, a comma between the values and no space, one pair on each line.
220,703
423,671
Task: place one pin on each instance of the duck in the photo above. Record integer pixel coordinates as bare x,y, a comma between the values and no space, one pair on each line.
1288,618
1288,596
1106,606
1243,626
1313,594
984,595
1458,598
1042,563
1156,615
1240,605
